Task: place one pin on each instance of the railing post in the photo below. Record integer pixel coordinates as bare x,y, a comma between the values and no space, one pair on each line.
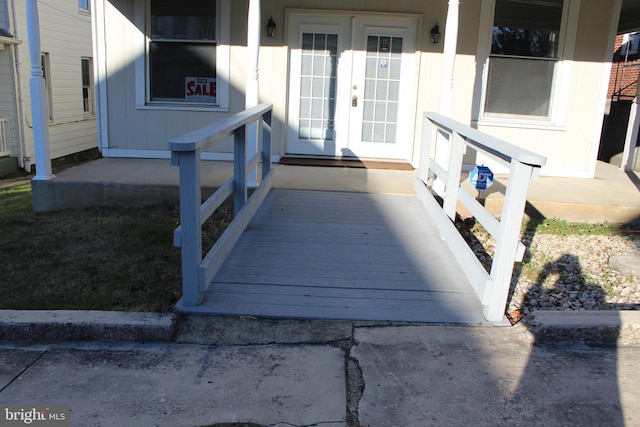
239,168
508,238
266,144
456,151
425,150
191,240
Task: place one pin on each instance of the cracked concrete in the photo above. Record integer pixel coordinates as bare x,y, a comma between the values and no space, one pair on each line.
181,384
325,375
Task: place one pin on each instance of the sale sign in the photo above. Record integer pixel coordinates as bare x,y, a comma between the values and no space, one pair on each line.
200,89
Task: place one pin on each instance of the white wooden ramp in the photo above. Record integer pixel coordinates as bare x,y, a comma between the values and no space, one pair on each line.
338,255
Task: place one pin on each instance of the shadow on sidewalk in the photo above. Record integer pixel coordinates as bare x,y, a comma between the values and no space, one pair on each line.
554,374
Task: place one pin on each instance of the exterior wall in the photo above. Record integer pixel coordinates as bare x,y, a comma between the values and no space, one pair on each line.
65,33
8,93
569,143
8,101
143,131
146,132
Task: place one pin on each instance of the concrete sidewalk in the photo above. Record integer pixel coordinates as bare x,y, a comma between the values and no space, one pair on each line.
373,376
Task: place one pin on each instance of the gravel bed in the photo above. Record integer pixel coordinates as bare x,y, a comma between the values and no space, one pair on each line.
567,273
573,273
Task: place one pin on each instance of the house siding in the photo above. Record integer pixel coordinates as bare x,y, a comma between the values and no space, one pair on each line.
65,34
568,143
8,99
570,148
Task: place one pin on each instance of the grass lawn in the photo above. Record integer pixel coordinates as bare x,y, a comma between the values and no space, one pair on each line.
123,259
93,259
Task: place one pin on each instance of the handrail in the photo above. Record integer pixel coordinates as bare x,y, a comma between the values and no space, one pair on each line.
488,143
197,272
492,288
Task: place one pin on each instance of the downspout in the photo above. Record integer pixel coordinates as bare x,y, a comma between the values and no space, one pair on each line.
100,74
17,78
39,106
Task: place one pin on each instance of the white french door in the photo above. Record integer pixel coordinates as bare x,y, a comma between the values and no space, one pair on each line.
351,85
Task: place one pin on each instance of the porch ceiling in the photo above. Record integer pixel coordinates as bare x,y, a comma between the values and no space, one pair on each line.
630,17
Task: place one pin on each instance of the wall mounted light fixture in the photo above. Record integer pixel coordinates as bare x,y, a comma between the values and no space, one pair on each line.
271,28
435,34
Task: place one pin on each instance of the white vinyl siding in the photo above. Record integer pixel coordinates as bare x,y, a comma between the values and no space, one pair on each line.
66,36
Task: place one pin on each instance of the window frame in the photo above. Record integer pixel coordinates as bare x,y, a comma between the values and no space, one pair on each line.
45,65
142,70
556,119
91,112
83,9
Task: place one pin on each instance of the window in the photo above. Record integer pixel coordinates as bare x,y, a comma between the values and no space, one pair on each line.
87,86
182,52
46,74
83,5
630,46
524,57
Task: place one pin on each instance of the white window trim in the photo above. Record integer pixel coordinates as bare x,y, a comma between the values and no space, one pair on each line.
222,62
83,10
45,59
92,90
561,82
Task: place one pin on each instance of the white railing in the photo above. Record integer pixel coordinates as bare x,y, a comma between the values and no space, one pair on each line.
198,272
492,288
5,141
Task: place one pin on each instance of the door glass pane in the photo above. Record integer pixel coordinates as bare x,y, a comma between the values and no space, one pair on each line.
381,89
318,86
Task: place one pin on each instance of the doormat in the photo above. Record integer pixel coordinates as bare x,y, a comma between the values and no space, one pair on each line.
351,163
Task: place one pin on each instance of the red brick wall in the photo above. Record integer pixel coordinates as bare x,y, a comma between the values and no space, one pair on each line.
624,74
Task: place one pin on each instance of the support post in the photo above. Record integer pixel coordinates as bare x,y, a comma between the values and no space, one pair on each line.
509,236
39,104
266,144
449,54
190,221
446,91
239,168
254,27
628,154
456,151
426,149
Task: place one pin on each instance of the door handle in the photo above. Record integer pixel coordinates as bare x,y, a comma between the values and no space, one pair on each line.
354,101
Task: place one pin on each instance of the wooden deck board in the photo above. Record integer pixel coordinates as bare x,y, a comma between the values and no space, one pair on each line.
351,256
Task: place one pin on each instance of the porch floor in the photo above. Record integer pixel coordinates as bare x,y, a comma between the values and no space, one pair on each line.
342,255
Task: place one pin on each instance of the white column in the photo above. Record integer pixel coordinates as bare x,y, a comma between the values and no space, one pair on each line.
449,53
442,149
254,27
628,154
39,105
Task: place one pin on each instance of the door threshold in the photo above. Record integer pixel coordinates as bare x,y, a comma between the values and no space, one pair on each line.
346,163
